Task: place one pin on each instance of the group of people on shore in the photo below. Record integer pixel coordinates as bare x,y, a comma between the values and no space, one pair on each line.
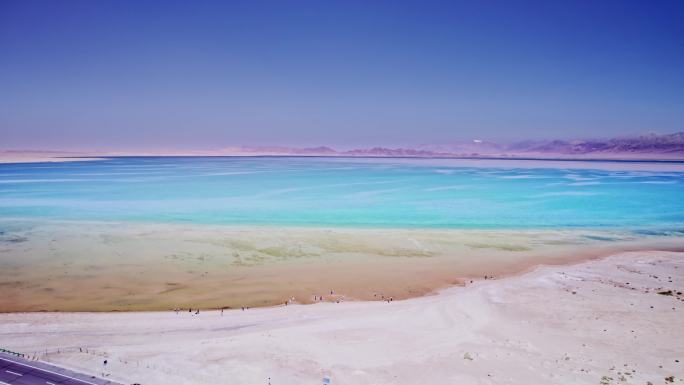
333,298
178,310
197,311
316,298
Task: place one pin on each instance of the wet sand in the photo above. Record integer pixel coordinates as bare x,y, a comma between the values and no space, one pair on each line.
77,266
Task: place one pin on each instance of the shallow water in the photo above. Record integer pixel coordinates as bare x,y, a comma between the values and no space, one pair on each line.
349,192
90,266
159,233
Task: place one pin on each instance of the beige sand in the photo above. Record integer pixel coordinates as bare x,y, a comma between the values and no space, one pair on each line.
78,266
599,322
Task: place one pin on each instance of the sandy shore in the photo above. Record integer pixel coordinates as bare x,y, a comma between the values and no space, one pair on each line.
598,322
77,266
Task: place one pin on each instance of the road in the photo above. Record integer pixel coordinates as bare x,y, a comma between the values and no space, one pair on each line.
17,371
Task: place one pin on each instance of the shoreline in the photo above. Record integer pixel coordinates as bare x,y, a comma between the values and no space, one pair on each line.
27,159
19,158
462,282
560,324
158,268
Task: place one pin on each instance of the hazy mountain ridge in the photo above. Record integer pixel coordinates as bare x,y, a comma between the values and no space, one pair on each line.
651,144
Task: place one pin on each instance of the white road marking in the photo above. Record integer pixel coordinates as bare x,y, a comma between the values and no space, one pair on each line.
49,383
14,373
48,371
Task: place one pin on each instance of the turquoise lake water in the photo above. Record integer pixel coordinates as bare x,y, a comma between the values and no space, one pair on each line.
348,192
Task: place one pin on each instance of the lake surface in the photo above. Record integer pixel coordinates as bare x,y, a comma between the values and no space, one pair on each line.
156,233
349,192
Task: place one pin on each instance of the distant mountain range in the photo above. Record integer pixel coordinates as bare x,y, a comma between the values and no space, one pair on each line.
651,146
644,146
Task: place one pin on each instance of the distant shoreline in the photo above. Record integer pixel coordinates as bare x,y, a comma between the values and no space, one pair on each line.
13,158
48,159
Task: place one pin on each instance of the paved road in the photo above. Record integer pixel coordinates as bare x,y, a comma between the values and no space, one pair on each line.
17,371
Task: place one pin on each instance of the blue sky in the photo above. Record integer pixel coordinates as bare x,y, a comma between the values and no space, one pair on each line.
133,75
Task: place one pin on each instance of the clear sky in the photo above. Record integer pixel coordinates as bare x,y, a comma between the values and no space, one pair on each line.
202,74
